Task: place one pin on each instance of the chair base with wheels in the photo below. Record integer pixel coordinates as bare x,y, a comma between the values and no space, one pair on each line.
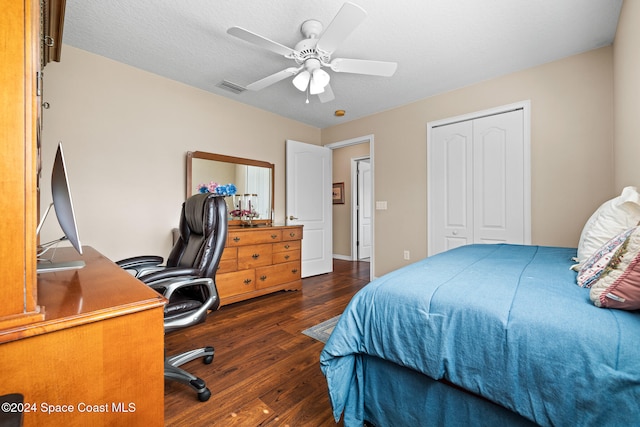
173,372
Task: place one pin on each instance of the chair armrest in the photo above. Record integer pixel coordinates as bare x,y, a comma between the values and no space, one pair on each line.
168,273
141,265
168,286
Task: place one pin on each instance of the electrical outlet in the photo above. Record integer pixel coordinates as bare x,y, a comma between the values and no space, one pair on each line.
407,255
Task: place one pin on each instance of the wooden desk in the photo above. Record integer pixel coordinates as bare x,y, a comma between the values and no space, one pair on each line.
97,357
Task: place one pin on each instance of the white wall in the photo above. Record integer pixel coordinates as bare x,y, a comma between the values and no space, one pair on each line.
125,134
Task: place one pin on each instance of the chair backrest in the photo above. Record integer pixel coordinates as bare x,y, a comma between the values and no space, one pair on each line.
202,234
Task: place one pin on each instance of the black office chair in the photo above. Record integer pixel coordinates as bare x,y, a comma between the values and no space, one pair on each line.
188,278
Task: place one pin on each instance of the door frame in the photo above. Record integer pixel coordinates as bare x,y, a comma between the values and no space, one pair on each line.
525,106
361,140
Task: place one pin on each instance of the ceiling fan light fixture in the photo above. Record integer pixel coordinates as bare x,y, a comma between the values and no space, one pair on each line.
321,77
301,81
314,87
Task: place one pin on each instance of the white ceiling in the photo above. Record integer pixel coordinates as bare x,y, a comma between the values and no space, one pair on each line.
439,45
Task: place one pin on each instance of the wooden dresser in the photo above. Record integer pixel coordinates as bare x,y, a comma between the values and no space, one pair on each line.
258,261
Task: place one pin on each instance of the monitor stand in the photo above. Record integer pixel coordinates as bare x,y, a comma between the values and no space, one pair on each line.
52,267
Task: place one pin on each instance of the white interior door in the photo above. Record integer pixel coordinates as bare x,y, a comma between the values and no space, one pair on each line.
309,203
364,209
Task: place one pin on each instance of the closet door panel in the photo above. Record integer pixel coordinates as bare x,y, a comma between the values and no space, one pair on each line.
451,158
498,178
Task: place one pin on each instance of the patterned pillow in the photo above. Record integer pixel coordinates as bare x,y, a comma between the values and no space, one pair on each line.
595,265
610,219
619,283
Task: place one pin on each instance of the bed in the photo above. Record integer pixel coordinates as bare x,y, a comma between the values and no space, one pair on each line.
484,335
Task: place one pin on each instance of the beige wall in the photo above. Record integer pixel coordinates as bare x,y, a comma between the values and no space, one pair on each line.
571,151
126,133
342,227
626,54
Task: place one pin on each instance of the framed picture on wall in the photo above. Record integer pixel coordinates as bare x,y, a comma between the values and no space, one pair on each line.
338,193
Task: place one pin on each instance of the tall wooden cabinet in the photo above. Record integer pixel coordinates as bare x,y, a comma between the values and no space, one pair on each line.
19,67
81,347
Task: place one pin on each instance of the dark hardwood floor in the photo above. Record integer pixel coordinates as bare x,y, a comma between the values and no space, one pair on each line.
265,371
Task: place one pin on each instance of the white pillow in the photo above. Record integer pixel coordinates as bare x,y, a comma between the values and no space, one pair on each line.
610,219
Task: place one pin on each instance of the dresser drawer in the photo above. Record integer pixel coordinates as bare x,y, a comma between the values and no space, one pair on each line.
292,245
228,261
288,256
278,274
242,238
292,234
238,282
254,256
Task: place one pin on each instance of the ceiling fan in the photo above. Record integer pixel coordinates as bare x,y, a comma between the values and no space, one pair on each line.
313,53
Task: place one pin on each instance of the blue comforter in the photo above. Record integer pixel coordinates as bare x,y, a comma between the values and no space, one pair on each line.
506,322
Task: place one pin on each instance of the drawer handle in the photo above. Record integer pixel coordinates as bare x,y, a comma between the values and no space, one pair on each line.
287,246
274,236
236,239
263,278
294,271
292,234
247,281
255,256
287,256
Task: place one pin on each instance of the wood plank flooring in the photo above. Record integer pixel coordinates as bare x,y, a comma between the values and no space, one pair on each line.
265,371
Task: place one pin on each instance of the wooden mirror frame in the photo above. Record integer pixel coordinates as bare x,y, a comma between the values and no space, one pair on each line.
230,159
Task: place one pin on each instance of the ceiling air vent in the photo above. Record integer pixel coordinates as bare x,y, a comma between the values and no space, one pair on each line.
231,87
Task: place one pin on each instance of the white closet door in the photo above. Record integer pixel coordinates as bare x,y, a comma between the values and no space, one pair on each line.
477,182
451,187
498,178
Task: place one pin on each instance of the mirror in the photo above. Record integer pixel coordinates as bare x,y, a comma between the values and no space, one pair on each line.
251,177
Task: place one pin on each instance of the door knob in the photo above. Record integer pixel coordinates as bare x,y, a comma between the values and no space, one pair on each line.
291,217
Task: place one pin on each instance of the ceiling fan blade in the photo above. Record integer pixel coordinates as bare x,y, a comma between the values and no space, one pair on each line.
363,66
273,78
261,41
343,24
327,95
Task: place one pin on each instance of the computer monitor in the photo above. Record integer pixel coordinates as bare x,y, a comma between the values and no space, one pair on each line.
63,205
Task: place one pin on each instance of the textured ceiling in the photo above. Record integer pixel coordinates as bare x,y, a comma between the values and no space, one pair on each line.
439,45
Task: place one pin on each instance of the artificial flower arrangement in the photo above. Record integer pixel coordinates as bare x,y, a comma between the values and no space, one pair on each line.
214,187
